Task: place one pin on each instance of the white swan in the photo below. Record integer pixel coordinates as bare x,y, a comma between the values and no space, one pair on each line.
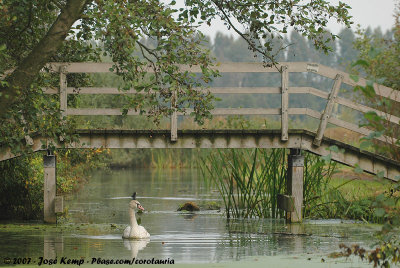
135,231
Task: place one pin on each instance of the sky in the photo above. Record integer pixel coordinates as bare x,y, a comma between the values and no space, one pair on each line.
372,13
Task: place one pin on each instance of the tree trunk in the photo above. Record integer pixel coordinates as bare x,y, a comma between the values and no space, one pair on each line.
25,73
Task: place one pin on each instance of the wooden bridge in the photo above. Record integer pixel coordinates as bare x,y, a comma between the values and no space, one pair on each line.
296,140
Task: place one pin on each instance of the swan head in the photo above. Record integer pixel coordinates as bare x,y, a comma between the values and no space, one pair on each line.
134,204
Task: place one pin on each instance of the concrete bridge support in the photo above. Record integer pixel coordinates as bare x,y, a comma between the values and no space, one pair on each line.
295,181
49,187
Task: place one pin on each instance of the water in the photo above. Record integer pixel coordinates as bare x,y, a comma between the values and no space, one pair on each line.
98,214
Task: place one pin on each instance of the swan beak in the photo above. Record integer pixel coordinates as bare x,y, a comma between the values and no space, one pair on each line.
140,207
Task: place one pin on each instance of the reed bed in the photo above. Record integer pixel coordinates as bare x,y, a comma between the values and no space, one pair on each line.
249,180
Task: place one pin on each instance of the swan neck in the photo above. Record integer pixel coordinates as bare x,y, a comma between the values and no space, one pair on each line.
133,218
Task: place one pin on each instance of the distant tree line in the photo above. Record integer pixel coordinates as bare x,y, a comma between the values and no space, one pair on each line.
226,48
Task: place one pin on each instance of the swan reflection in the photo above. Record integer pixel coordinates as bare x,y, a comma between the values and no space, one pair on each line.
135,245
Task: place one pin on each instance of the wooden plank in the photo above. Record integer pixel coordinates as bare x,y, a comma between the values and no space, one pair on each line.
258,67
305,111
63,91
349,126
245,111
174,118
28,139
299,90
59,204
245,90
231,111
229,67
218,111
99,90
50,90
80,67
98,111
6,73
319,93
223,138
295,183
309,90
364,109
234,67
297,111
328,110
285,103
49,172
351,156
379,89
235,90
313,113
361,130
312,67
215,90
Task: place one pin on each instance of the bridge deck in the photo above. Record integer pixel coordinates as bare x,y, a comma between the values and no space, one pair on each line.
283,138
301,139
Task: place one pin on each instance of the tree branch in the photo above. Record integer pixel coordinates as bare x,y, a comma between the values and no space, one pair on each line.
56,4
249,41
26,72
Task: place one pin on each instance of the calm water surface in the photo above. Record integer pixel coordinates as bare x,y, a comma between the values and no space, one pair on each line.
98,213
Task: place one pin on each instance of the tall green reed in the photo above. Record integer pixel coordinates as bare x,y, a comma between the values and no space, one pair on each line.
241,178
250,180
317,175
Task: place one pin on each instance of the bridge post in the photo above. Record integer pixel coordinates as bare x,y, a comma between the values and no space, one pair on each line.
295,181
284,103
63,91
49,188
174,117
328,110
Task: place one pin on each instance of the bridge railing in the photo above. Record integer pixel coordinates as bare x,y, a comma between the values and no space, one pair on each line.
285,69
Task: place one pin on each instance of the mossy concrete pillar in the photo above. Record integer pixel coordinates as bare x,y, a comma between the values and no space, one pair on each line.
49,187
295,175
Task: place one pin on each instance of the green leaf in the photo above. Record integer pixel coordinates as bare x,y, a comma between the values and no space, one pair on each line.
379,212
380,198
368,90
365,144
327,158
360,62
334,149
355,78
374,52
358,170
380,174
372,116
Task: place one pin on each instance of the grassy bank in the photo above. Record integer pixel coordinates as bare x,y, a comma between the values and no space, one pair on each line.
21,180
351,197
